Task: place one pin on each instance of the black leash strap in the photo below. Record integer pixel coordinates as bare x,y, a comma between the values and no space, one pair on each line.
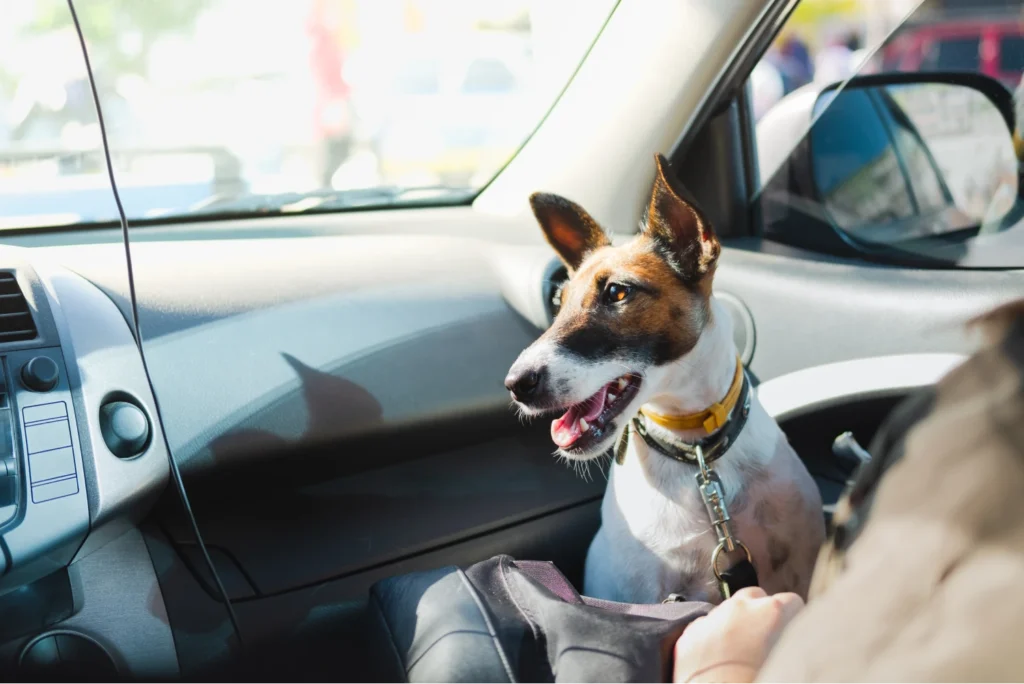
741,575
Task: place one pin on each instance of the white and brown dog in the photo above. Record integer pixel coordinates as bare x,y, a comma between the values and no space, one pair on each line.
640,341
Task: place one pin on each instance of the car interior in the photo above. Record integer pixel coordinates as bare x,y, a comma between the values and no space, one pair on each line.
310,403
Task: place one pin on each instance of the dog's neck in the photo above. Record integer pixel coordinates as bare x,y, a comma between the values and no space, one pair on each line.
701,377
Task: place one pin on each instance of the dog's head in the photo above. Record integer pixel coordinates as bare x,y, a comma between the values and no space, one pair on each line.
626,313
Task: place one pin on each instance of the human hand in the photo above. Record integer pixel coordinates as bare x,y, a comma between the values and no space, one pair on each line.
732,642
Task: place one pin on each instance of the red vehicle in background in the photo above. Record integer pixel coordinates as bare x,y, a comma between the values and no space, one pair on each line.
937,39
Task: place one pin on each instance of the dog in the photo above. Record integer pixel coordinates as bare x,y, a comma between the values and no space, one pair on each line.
638,352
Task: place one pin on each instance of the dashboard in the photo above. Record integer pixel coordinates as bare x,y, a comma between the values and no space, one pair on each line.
81,460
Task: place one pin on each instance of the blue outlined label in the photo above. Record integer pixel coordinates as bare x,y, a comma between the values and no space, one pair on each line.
51,452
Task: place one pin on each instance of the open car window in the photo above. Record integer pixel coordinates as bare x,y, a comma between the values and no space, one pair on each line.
916,166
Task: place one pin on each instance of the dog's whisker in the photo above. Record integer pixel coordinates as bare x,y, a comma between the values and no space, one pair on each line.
631,371
605,460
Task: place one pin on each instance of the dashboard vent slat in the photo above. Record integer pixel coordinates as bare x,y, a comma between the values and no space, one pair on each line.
16,322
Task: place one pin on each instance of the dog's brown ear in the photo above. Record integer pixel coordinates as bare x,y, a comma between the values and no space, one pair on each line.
687,240
569,229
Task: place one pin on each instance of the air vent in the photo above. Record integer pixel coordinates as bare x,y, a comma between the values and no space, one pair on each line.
553,290
16,322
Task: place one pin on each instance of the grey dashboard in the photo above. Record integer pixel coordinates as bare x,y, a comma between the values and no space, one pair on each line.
231,330
75,476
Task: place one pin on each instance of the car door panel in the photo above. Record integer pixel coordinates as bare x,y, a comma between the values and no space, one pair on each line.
811,310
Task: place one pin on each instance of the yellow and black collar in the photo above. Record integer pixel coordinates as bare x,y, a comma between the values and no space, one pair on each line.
715,417
710,419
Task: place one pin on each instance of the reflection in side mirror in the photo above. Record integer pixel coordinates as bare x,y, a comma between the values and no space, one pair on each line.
896,162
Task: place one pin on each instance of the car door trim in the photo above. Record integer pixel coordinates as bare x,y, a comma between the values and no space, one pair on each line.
812,389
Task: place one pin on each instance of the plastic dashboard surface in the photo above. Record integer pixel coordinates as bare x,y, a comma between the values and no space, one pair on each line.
67,359
260,344
392,330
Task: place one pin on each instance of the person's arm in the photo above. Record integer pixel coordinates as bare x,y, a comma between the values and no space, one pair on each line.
732,642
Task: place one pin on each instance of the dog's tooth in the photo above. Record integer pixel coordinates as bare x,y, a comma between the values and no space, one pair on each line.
583,425
611,398
622,383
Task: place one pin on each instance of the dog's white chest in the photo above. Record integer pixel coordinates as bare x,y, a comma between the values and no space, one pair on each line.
657,538
664,513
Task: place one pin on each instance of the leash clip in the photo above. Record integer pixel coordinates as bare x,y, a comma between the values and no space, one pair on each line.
713,495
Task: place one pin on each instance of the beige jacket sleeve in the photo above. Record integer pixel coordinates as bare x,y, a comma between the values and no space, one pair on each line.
932,589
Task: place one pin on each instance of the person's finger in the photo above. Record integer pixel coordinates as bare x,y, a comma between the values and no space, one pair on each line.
695,627
790,604
747,593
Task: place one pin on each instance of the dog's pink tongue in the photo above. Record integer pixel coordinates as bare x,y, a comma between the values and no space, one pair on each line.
566,430
596,404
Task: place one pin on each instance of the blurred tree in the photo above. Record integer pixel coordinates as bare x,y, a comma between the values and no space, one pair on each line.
809,13
120,32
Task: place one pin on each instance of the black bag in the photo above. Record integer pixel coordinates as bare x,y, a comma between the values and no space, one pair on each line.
506,621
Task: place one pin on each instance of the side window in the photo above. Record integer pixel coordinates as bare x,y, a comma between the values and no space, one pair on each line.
914,158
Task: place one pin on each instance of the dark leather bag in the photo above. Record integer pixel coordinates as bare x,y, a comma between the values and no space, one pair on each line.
509,621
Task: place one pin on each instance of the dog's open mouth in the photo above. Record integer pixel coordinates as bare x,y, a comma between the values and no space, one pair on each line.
586,424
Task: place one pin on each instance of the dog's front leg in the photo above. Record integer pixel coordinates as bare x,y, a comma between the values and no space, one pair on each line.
620,568
599,574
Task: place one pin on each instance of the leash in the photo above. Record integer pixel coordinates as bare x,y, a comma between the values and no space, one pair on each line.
703,454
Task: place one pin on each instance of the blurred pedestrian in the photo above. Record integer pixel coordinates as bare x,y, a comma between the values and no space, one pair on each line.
332,110
793,61
834,62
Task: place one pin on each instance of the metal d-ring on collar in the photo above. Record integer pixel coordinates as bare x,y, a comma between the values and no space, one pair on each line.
712,447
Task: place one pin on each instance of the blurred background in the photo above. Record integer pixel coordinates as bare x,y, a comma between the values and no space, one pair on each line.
206,100
212,103
830,40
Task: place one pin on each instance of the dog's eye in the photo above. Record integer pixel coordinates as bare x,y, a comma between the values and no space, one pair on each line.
616,292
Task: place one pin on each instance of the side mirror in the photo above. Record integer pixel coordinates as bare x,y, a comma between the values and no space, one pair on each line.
890,160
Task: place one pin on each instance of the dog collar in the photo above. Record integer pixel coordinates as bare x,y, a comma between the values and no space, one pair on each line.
712,447
712,418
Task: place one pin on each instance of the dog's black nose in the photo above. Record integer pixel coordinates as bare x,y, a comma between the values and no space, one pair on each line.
524,384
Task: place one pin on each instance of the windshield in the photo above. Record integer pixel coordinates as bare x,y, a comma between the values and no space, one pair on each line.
218,108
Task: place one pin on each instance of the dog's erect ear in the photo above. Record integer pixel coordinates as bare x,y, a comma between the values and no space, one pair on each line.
686,237
569,229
